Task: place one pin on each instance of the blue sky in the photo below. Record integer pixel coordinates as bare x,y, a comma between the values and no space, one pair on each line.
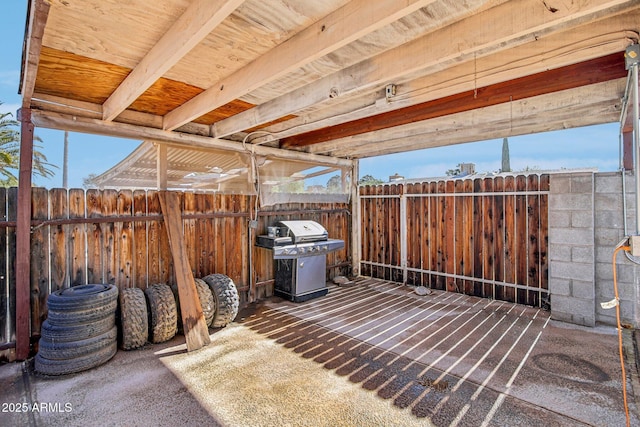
594,146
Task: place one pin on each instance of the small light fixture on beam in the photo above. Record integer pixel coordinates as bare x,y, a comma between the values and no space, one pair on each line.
390,91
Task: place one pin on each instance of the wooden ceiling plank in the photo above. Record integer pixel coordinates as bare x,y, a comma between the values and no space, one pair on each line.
72,123
491,31
196,23
513,63
583,106
597,70
38,14
341,27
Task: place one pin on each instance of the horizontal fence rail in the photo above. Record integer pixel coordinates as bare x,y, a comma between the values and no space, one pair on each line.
485,236
118,237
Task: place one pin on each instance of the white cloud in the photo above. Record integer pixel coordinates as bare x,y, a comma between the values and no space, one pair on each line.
10,78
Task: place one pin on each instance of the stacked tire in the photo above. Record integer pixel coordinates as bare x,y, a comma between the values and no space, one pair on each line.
80,332
163,313
226,299
134,323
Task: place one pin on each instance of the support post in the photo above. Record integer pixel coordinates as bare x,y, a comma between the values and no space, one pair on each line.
23,236
403,235
627,151
356,237
161,166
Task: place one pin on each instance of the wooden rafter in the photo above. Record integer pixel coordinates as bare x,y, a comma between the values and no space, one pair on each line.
352,21
38,14
200,18
485,34
584,106
598,70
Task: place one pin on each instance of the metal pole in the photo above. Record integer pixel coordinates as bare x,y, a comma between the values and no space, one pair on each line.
636,133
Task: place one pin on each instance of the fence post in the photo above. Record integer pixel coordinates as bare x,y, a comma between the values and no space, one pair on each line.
403,234
356,235
23,237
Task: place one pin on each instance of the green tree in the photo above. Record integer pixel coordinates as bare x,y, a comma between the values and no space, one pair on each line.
369,180
10,153
454,172
334,185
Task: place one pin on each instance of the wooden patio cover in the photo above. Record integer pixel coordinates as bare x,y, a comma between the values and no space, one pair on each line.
327,81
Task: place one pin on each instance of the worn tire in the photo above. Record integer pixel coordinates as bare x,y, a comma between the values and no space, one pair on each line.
207,302
70,317
134,320
226,299
77,364
163,316
82,297
55,350
54,332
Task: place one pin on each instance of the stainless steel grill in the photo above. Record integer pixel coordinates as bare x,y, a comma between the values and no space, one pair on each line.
300,252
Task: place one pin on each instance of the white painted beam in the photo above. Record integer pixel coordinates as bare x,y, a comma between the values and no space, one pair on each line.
200,18
341,27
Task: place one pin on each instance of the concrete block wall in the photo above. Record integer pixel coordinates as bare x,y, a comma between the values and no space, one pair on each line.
571,248
585,224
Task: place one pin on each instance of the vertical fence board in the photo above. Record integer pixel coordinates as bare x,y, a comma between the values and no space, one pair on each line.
510,239
12,214
449,236
154,229
544,233
6,322
489,262
124,247
478,236
440,233
77,235
95,243
521,241
533,220
460,235
139,240
469,236
58,243
191,241
39,259
499,236
110,234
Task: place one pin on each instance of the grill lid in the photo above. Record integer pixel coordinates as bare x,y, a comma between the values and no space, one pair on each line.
305,231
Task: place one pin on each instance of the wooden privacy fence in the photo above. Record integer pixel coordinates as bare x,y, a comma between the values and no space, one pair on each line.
484,236
119,237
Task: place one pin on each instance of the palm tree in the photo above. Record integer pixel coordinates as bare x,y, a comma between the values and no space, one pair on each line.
10,153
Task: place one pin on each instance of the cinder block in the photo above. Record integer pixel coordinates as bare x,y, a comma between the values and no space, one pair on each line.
582,184
583,290
571,270
560,253
571,202
608,183
608,202
609,219
582,254
603,254
560,219
571,236
560,184
606,236
582,219
558,286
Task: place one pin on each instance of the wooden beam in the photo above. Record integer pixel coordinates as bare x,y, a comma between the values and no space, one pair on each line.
200,18
23,237
77,124
627,151
598,70
489,32
561,110
37,19
588,42
341,27
195,327
161,165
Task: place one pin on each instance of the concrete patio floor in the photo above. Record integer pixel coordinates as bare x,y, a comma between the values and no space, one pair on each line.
374,354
